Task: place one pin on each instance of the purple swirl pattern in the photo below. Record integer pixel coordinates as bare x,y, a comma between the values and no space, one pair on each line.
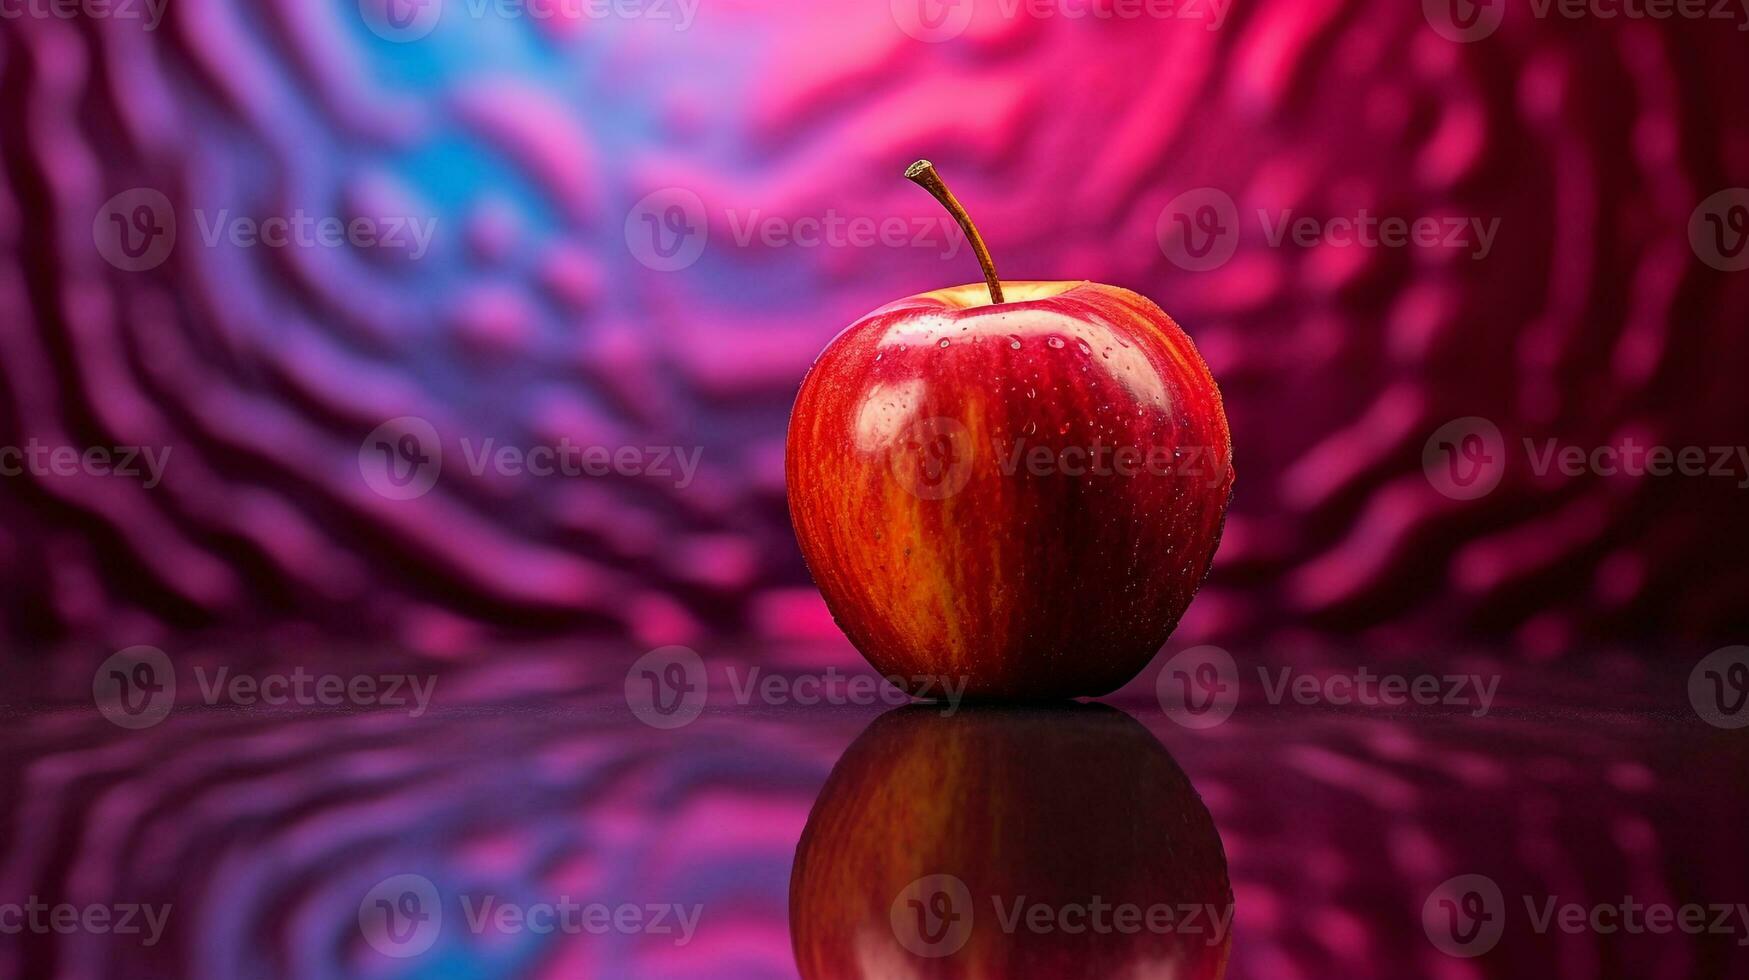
548,157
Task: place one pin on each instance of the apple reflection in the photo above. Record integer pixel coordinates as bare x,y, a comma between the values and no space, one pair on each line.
1009,842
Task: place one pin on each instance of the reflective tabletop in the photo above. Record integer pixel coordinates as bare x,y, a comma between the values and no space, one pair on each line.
543,814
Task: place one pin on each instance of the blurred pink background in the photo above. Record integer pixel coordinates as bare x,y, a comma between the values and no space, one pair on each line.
533,226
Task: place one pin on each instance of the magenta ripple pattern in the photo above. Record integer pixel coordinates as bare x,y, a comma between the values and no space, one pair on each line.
271,834
323,260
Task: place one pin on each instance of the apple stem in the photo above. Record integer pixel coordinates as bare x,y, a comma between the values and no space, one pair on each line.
922,173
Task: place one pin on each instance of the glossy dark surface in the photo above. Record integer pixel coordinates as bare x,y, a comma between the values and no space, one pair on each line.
530,779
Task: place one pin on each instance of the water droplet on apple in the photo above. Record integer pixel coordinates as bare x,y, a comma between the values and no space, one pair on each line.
1084,348
1056,342
945,341
1013,341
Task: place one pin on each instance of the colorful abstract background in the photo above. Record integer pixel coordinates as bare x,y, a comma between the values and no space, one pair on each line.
597,180
532,139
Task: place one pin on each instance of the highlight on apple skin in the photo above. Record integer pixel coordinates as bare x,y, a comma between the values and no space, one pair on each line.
1018,486
1010,841
1025,496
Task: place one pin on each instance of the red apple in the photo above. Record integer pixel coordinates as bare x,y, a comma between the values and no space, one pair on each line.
1009,842
1015,486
